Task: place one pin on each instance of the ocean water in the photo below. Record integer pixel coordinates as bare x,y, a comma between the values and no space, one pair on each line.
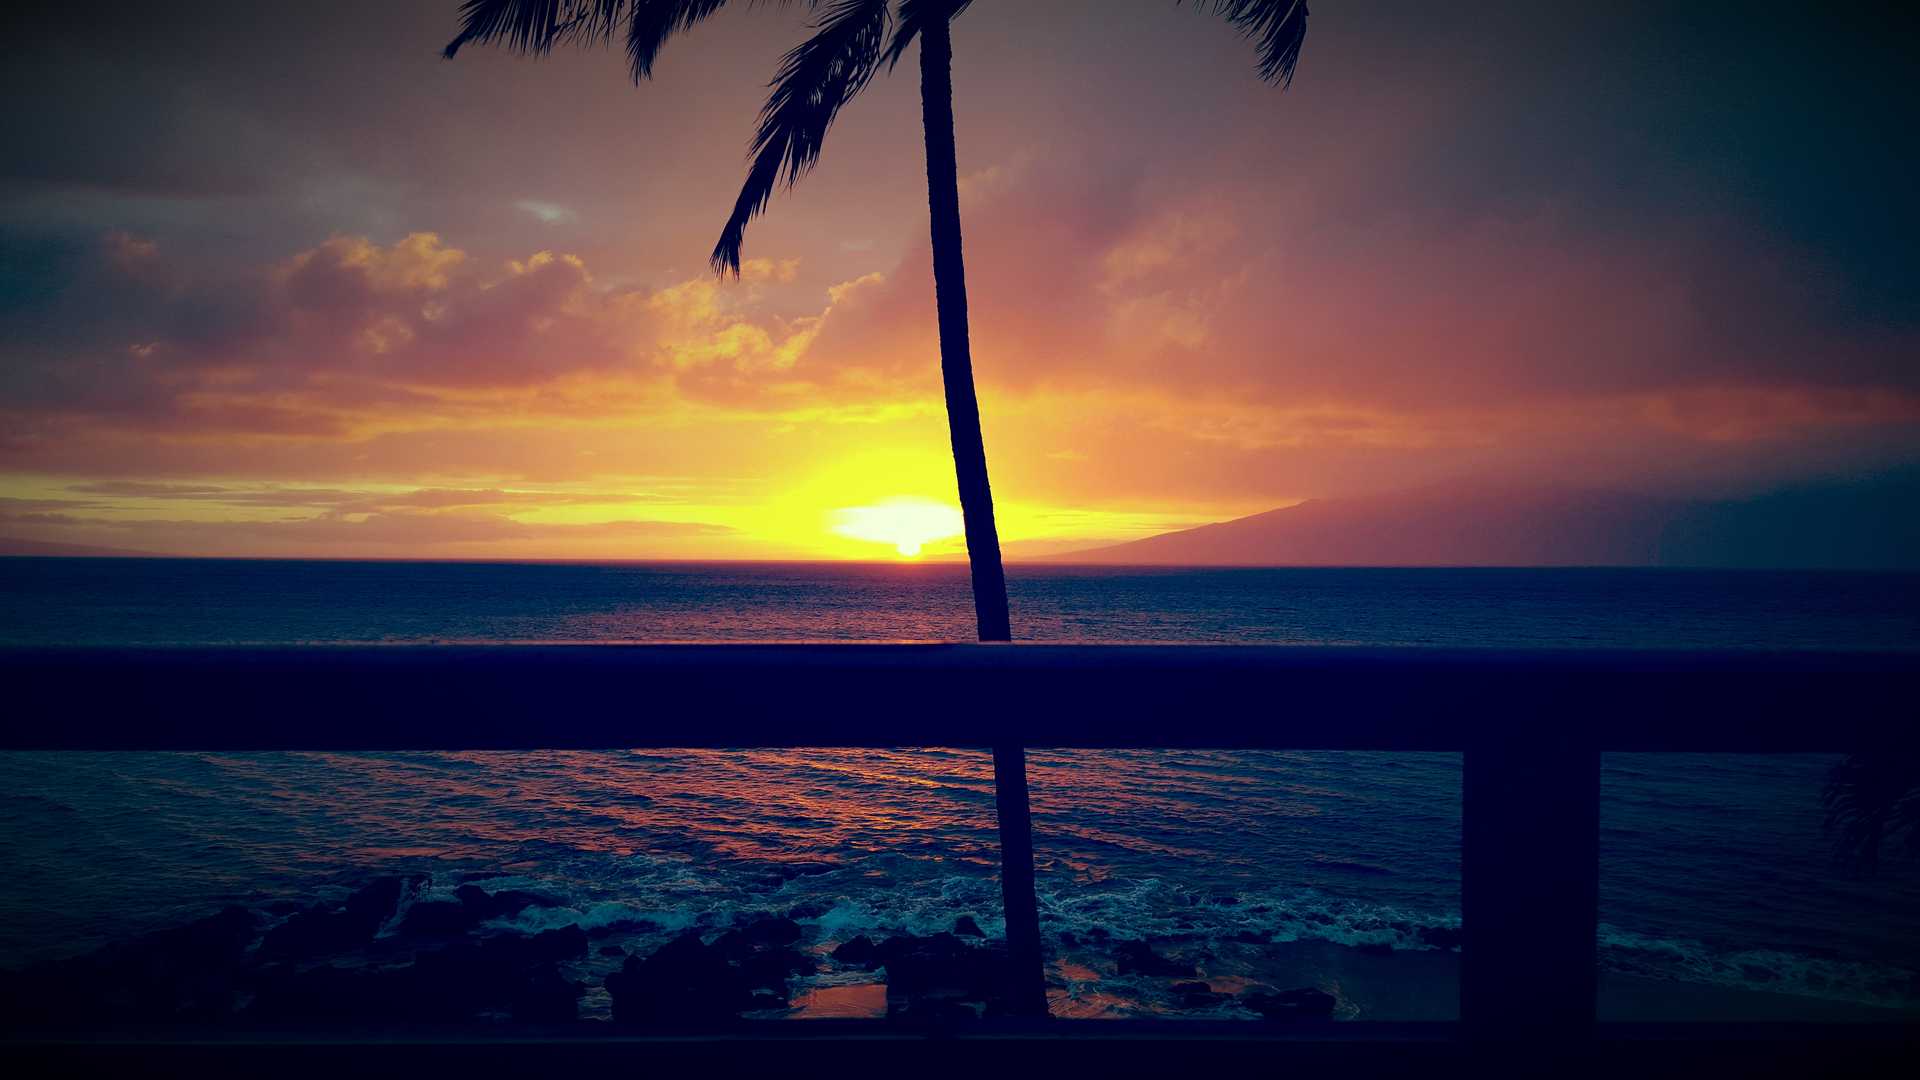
1338,869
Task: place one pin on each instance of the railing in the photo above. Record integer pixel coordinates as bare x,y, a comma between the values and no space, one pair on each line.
1531,726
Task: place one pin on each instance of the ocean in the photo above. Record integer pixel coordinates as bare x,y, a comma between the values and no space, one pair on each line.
1341,870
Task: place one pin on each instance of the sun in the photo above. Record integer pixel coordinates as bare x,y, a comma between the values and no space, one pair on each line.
906,522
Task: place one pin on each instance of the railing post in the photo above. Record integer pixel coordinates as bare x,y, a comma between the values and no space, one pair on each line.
1529,884
1026,969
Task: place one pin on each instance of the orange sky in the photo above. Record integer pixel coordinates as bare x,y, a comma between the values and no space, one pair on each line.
317,292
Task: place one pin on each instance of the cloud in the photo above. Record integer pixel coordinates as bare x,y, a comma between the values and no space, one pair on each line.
1607,243
547,213
373,533
1279,356
351,337
339,501
275,519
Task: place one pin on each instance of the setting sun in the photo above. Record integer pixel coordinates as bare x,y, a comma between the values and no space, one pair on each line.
907,523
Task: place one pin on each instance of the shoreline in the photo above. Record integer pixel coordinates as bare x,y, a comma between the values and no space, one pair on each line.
384,955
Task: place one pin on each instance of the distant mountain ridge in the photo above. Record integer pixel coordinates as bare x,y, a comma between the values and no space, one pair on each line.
1874,525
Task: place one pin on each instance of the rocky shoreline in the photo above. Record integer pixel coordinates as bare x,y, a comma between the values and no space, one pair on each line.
386,956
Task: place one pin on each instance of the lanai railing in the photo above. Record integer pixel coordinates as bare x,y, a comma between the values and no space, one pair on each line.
1530,726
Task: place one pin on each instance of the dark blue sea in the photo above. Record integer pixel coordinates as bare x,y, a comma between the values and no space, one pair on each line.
1341,870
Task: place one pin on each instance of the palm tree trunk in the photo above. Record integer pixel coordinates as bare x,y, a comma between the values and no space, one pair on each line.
956,353
1026,994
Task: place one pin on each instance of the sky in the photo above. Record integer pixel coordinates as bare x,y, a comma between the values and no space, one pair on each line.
279,280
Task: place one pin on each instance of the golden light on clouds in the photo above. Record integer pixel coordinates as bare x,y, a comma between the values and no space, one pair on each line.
1149,368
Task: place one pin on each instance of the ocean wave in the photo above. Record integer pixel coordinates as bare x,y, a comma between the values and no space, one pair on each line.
27,806
1152,908
837,905
1768,970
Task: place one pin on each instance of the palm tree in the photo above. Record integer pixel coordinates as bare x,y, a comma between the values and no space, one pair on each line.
1872,801
851,40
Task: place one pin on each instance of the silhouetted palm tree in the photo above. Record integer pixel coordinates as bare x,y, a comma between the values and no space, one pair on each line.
851,40
1872,801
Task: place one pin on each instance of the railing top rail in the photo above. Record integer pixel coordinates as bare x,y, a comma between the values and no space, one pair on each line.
389,697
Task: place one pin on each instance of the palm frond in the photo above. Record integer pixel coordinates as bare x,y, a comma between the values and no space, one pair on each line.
1276,27
814,81
916,14
1872,800
654,21
534,26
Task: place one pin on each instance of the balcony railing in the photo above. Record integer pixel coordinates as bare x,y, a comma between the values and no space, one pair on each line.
1531,726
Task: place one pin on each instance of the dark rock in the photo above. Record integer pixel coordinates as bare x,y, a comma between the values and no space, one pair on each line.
893,946
809,910
197,973
733,945
1068,939
942,966
515,974
471,907
545,998
936,977
857,952
763,965
964,926
1442,937
773,932
187,974
1138,958
483,906
612,950
552,946
435,919
684,982
316,932
771,968
378,899
1250,937
688,982
323,930
1196,995
1098,933
939,1012
326,995
455,985
767,999
514,953
1305,1003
